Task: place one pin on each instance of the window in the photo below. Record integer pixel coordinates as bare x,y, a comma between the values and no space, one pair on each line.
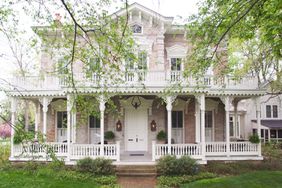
208,119
175,64
177,119
136,28
62,67
177,127
94,122
142,60
62,119
141,63
271,111
275,111
268,111
231,126
234,129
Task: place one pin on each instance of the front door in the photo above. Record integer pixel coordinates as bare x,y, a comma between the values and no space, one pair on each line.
136,129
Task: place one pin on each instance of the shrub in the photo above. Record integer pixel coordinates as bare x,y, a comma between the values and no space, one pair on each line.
109,135
176,181
161,136
254,139
98,166
170,165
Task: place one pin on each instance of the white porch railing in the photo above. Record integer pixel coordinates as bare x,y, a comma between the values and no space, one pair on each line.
211,148
193,150
215,148
244,148
77,151
146,78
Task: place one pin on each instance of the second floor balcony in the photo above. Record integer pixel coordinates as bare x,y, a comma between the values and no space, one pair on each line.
132,79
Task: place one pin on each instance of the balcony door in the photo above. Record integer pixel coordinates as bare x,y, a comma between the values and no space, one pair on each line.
175,69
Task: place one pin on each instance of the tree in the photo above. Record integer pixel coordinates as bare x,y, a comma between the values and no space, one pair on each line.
86,32
220,23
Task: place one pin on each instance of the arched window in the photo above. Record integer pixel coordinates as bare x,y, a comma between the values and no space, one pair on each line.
136,28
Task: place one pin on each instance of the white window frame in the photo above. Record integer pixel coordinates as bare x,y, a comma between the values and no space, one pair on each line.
236,128
56,124
89,130
135,65
181,64
183,124
271,111
142,28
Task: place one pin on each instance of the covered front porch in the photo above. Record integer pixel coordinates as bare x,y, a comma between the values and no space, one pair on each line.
197,125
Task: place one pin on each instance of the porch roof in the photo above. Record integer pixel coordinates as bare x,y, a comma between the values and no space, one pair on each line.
271,123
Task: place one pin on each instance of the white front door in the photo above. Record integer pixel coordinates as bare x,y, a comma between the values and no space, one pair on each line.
136,129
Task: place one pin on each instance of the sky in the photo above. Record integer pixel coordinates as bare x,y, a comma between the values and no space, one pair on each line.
175,8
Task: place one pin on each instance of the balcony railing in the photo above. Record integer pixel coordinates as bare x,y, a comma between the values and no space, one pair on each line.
132,79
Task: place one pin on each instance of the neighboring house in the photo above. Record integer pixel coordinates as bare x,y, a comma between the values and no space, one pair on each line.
195,114
271,118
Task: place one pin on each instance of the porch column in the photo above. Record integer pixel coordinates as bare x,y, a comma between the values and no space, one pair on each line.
14,103
102,123
73,115
258,113
45,102
203,134
227,124
37,119
268,131
169,101
197,123
235,103
69,106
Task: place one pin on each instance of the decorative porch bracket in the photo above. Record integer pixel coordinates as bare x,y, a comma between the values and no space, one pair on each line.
45,101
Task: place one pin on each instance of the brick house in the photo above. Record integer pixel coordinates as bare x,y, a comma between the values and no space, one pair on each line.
195,115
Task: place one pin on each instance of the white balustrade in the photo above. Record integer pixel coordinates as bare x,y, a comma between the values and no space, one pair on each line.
243,148
215,148
193,150
148,78
79,151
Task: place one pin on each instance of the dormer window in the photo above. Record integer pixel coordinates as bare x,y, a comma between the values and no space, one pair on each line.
136,28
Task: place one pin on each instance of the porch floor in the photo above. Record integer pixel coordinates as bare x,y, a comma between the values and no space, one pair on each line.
136,156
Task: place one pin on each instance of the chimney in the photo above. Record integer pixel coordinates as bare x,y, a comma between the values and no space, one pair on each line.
58,17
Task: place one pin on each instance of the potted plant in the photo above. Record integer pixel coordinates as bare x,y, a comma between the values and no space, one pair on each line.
161,137
109,136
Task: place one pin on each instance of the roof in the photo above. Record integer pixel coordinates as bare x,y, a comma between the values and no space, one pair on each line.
143,9
271,123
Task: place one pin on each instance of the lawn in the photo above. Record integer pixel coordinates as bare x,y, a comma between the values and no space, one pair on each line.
22,179
259,179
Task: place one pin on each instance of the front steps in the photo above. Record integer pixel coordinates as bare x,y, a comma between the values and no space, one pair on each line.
136,170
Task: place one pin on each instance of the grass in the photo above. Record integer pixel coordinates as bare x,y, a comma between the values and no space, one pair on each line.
18,179
259,179
44,177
